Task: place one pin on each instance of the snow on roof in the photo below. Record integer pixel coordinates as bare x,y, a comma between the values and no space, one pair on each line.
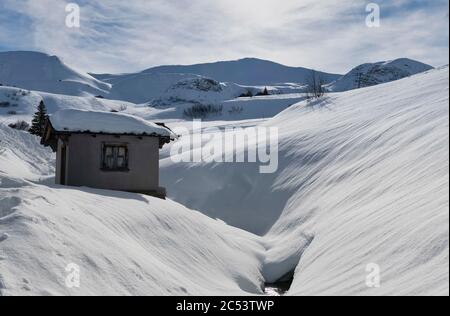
105,123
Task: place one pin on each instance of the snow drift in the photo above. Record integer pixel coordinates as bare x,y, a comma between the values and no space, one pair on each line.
22,158
123,244
363,179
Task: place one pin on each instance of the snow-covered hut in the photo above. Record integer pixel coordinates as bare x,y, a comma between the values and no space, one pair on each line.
107,150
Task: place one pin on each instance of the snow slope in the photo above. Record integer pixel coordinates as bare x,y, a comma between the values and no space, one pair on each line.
363,178
19,104
161,89
367,75
173,89
123,244
239,109
41,72
22,157
248,71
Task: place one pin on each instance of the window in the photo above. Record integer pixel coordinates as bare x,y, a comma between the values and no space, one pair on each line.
115,157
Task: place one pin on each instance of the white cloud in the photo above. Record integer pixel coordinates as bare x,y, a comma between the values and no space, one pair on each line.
118,36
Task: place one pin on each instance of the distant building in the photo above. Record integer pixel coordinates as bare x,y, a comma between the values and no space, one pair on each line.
107,150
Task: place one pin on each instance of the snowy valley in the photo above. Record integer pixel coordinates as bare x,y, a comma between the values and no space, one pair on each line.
362,178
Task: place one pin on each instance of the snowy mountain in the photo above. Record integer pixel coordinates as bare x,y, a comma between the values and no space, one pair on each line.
177,85
362,179
19,104
160,87
41,72
248,71
367,75
166,83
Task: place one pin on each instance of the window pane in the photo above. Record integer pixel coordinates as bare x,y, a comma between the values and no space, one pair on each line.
109,162
115,157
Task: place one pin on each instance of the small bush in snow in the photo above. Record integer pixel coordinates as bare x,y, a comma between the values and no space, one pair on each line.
247,94
20,125
5,104
203,111
236,110
12,113
315,86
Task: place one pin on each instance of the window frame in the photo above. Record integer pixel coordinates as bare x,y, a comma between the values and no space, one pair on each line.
115,168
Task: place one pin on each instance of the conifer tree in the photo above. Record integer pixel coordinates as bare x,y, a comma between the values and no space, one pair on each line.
39,120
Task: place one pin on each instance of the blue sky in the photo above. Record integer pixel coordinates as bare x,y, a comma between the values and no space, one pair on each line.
126,36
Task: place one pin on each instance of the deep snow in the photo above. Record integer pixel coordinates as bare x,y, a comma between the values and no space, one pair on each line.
22,158
124,244
106,123
363,179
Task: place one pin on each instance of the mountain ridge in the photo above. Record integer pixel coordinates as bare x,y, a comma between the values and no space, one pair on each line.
372,74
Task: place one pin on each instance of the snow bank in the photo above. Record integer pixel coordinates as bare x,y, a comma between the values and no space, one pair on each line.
363,179
105,122
22,157
123,244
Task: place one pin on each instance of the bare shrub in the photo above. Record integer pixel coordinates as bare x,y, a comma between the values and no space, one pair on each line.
20,125
203,111
315,85
236,110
